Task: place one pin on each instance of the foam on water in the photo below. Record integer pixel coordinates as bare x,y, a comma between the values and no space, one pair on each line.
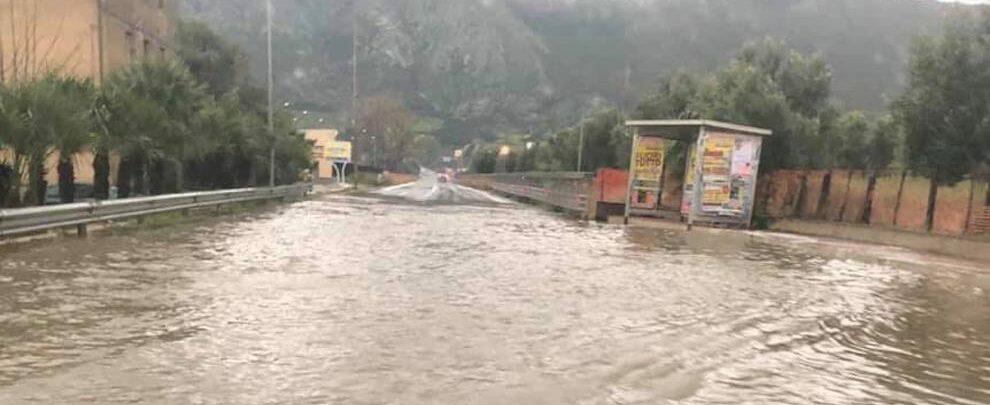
429,189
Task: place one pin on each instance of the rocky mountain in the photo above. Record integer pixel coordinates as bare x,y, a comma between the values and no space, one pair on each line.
481,67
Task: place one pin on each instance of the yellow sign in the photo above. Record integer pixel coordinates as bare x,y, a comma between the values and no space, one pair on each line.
715,161
649,159
337,150
715,194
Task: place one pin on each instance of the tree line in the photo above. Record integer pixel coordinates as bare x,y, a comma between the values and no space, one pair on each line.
939,127
191,122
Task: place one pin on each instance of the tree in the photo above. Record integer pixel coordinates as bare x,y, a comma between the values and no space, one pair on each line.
157,103
944,110
426,150
673,97
75,132
883,143
766,85
386,125
42,116
852,135
485,159
219,65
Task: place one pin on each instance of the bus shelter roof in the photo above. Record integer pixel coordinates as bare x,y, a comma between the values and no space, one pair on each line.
686,129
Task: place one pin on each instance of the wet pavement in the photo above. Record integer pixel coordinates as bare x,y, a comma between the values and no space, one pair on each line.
347,299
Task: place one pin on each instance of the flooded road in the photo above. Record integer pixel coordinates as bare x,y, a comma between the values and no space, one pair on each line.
356,300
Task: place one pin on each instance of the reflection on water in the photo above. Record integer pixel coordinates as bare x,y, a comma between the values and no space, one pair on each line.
354,300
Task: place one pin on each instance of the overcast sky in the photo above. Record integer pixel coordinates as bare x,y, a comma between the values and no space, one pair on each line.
967,1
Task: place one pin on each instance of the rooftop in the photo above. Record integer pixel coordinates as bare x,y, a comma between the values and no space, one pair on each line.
681,125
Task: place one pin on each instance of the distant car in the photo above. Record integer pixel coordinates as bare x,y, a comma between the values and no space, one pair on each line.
83,192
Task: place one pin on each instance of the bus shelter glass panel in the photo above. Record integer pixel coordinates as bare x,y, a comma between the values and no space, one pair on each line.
726,171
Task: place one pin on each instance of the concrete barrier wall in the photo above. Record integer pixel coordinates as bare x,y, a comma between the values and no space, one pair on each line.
610,186
782,193
814,180
951,208
883,208
895,201
913,208
836,198
857,197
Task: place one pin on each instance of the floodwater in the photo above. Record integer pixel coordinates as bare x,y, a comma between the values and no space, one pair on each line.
429,188
359,300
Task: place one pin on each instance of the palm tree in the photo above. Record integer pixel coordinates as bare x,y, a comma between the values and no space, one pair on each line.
11,128
75,132
148,111
37,118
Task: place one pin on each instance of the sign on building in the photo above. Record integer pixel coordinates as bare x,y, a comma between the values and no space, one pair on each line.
337,151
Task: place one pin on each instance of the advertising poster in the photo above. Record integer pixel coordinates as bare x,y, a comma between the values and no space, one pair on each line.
689,180
715,161
648,159
715,171
716,194
743,164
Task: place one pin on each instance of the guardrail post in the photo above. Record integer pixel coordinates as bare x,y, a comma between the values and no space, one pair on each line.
81,230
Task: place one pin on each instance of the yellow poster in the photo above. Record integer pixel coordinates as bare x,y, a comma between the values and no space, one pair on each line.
688,194
718,150
649,159
716,194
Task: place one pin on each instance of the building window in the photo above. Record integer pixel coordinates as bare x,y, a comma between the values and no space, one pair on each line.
147,48
131,46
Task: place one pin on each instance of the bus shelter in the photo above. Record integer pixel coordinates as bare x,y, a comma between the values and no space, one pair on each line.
721,163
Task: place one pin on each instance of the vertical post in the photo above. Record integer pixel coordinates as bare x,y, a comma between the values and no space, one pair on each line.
580,145
100,37
698,187
81,230
271,101
354,83
632,176
354,76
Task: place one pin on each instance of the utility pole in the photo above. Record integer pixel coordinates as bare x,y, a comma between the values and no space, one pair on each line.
580,145
354,84
271,102
354,75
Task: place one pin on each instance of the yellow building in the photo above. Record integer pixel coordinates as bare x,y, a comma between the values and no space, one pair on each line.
82,38
330,155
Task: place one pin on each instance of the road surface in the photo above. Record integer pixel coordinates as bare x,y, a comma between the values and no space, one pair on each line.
347,299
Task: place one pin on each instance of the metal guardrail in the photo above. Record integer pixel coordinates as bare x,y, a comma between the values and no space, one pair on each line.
34,219
568,190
